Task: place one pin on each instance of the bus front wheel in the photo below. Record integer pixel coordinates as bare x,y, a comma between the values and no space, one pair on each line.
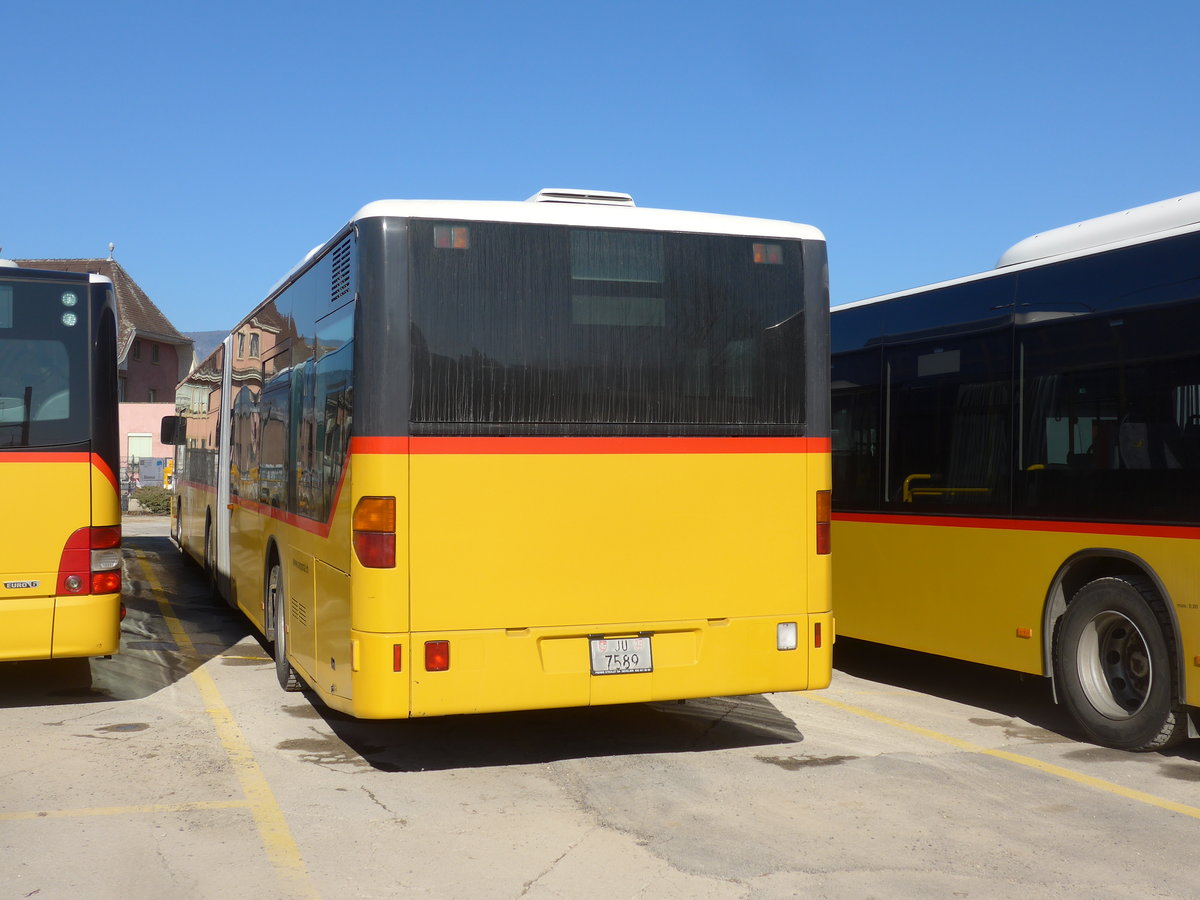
1114,666
277,610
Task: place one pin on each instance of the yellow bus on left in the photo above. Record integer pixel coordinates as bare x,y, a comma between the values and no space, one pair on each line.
60,536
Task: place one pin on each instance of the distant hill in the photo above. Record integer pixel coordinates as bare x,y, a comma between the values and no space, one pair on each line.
206,341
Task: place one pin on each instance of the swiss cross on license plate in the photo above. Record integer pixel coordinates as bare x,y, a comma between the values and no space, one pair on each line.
621,656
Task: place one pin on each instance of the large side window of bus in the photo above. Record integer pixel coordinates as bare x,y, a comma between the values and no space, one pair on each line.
333,389
855,411
243,469
947,376
948,425
210,433
1109,375
274,418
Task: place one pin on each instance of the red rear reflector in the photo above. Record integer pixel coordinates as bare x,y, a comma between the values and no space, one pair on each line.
817,635
437,656
397,657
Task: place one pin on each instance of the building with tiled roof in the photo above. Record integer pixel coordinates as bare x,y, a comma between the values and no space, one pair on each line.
154,357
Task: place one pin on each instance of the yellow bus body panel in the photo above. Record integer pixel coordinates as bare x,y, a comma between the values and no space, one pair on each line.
516,559
48,497
964,592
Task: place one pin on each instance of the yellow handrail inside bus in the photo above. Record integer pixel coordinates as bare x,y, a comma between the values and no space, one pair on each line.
909,491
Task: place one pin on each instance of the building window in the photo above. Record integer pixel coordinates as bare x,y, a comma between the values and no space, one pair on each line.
254,345
153,395
241,344
136,352
154,354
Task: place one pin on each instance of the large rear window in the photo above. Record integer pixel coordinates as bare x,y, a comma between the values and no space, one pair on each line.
43,363
545,325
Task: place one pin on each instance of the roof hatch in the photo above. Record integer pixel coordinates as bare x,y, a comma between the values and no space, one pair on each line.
572,195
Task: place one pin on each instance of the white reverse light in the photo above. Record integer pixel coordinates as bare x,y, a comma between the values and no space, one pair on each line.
785,636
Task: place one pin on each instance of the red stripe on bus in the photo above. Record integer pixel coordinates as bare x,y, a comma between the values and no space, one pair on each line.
312,526
74,456
106,471
1189,532
586,445
35,456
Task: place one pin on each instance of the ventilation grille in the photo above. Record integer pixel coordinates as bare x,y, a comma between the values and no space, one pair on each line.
299,613
340,281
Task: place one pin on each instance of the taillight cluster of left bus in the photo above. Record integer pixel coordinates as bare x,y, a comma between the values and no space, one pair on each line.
91,562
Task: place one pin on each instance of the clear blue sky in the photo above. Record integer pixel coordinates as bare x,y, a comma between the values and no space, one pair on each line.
215,143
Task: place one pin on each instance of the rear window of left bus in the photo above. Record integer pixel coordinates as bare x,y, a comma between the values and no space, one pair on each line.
43,363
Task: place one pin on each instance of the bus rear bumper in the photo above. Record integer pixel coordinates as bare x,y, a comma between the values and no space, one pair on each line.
498,670
60,627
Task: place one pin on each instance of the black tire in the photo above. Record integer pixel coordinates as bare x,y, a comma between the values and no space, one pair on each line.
210,562
276,608
1114,666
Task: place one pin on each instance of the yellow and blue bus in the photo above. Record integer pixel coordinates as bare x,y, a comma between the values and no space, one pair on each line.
60,535
484,456
1016,462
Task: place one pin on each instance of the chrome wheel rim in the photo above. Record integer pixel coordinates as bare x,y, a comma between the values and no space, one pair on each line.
1114,665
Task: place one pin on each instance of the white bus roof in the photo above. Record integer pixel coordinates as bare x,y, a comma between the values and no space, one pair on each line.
1177,215
566,206
1115,228
587,209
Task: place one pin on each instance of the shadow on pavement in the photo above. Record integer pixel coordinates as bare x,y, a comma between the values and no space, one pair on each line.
150,658
542,736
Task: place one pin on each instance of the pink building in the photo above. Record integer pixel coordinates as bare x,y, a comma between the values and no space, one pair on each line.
153,357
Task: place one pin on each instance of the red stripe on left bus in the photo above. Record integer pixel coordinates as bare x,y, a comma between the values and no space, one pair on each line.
105,470
33,456
1187,532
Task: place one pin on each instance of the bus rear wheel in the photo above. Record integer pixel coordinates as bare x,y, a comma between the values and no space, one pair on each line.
1114,666
276,608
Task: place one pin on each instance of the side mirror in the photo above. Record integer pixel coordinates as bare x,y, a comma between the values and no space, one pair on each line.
173,430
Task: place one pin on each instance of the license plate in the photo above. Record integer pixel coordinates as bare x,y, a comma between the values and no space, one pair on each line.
621,656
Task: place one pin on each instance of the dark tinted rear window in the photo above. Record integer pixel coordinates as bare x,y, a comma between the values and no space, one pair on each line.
548,325
43,363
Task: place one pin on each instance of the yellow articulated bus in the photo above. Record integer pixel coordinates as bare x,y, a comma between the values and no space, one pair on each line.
60,535
482,456
1016,462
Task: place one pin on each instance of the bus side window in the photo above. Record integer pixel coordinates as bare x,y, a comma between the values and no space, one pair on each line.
948,434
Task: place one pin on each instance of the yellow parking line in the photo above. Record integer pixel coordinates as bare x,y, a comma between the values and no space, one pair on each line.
125,810
1028,761
272,826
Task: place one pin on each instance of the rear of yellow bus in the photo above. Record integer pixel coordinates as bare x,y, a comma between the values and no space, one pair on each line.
613,483
60,536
